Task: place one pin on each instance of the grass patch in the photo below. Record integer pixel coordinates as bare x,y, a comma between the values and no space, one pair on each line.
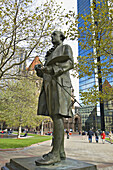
109,140
6,143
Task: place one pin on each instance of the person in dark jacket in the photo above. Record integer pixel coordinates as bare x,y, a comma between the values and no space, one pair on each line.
67,134
90,134
97,136
83,135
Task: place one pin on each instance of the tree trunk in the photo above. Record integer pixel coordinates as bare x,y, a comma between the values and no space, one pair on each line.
1,126
42,128
19,131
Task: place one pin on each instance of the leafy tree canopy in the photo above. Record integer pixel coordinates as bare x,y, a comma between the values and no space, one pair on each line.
95,37
19,103
25,28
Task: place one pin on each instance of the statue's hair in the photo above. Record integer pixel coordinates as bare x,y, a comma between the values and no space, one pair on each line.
61,35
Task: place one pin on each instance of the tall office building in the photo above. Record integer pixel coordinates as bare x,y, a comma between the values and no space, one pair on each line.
90,115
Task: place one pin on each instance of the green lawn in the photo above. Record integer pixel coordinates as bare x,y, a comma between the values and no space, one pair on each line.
109,140
6,143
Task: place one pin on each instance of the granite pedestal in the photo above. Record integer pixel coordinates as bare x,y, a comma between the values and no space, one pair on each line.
29,164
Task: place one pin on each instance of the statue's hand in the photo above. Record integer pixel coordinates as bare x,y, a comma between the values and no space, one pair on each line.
58,64
47,69
58,72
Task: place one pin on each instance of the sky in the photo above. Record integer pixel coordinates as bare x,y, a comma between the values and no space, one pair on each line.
72,5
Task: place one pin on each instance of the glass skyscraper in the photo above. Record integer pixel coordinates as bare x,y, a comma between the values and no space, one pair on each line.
91,112
84,82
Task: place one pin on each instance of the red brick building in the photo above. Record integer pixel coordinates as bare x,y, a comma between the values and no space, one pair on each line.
32,65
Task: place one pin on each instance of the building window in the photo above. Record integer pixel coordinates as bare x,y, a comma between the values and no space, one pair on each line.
106,119
109,120
107,104
112,103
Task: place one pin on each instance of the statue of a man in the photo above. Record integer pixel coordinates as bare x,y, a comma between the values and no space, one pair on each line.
54,99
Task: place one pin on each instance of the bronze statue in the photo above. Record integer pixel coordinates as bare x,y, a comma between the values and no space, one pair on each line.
54,99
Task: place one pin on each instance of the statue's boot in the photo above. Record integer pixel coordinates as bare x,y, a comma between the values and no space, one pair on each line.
51,159
62,155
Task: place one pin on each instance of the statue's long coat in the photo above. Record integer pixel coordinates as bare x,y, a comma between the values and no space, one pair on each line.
53,98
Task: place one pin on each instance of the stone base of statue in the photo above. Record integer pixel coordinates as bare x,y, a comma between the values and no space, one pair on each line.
29,164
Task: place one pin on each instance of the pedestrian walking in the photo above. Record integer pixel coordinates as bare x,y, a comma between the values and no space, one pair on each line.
67,134
83,135
110,137
103,135
79,132
90,133
97,136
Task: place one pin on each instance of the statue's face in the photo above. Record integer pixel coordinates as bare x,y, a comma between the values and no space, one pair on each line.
56,38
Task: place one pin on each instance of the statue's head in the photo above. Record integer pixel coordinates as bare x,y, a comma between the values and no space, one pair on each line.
57,37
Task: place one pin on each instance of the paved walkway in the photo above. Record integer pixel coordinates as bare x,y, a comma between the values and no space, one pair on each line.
75,147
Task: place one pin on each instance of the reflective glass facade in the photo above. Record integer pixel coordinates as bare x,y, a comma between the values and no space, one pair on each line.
84,82
83,6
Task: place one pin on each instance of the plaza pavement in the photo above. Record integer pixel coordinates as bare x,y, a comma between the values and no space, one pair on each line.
76,148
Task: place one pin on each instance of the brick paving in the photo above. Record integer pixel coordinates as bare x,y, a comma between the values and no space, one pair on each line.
75,147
